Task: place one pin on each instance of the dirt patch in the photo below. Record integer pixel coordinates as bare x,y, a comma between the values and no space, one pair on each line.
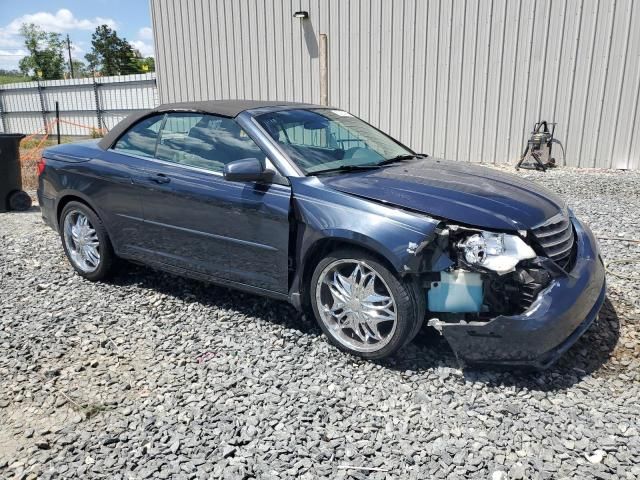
27,424
30,153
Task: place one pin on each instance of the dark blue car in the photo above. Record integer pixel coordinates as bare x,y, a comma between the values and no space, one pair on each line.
312,205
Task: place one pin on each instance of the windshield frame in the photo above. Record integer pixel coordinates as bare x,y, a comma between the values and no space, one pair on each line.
283,151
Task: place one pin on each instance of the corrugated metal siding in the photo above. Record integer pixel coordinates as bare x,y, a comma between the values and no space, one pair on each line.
462,79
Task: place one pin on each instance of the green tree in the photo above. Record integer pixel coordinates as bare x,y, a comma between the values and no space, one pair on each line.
92,62
142,64
110,54
150,64
79,69
45,53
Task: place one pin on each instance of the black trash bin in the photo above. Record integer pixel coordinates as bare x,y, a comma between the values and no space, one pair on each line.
11,195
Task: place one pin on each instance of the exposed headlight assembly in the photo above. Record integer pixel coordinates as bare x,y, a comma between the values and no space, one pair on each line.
499,252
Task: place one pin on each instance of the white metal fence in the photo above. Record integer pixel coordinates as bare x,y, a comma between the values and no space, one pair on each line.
84,103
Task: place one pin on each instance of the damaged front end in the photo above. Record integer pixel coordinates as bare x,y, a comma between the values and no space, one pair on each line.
502,298
487,274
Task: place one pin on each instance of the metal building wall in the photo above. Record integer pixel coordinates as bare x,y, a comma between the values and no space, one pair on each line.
463,79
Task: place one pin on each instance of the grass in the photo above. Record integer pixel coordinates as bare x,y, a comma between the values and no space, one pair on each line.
35,141
5,79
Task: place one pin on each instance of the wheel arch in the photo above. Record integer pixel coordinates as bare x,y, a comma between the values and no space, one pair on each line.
66,197
335,240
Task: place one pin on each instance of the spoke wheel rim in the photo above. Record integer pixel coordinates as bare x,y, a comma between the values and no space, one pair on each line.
356,305
82,242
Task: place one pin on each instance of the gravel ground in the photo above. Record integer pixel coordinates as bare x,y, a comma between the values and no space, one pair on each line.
154,376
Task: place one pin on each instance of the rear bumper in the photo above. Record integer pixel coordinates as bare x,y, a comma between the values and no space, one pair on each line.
47,209
559,316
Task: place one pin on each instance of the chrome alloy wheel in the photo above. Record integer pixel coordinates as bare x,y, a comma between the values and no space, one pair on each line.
81,241
356,305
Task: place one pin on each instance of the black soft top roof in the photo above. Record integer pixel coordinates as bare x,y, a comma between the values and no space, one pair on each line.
225,108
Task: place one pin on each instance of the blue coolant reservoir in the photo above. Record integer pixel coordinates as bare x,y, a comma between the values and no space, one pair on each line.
456,292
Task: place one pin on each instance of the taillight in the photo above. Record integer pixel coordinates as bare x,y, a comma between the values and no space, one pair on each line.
41,165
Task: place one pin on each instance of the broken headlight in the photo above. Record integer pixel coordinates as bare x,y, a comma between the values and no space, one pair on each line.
499,252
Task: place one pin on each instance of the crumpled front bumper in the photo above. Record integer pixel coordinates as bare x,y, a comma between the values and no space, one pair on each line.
558,317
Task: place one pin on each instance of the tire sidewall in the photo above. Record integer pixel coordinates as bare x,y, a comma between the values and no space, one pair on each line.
106,251
407,309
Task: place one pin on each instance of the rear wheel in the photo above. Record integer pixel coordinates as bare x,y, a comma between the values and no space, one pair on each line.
362,307
85,241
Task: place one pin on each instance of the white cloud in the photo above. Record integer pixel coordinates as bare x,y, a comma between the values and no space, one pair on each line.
8,41
145,49
145,33
9,58
144,42
79,48
61,21
10,53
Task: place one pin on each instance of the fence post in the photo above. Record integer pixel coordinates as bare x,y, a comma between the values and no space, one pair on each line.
97,97
42,109
3,114
58,120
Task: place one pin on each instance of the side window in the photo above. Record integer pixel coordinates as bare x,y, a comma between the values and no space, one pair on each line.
204,141
141,138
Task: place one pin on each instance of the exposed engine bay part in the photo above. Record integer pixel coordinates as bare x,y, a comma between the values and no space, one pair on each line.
459,295
457,291
435,323
515,292
499,252
482,296
487,274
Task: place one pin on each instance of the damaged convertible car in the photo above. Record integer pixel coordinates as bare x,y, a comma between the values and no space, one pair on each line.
312,205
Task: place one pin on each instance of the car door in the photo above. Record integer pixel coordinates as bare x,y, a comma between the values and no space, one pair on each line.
120,198
195,219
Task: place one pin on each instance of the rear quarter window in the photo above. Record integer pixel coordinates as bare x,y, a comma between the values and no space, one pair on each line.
141,139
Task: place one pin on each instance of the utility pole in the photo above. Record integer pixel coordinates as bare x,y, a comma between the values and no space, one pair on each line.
70,61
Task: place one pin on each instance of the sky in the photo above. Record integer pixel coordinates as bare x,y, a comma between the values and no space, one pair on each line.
78,18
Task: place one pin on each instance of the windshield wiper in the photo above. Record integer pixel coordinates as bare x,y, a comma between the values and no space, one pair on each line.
346,168
400,158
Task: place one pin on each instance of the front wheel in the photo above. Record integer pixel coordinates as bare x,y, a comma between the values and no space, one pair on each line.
85,241
362,307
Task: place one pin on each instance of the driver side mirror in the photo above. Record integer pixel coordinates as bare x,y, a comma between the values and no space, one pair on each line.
247,170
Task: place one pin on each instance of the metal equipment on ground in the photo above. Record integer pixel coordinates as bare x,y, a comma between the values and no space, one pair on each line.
537,155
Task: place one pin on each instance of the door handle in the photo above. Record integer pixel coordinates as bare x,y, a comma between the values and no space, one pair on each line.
159,178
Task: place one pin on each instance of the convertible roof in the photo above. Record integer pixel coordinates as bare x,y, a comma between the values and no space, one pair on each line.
225,108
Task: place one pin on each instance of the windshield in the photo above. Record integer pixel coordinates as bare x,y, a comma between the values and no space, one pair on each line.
322,139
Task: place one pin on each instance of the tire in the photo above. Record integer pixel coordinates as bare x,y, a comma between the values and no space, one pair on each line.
381,315
88,233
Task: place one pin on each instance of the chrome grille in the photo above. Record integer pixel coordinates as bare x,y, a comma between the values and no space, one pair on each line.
556,238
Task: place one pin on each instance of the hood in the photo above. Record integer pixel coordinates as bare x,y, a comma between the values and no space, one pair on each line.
457,191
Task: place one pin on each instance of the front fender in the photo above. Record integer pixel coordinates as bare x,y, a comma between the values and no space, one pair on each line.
324,214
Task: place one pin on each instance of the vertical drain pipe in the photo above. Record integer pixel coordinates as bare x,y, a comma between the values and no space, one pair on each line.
324,70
